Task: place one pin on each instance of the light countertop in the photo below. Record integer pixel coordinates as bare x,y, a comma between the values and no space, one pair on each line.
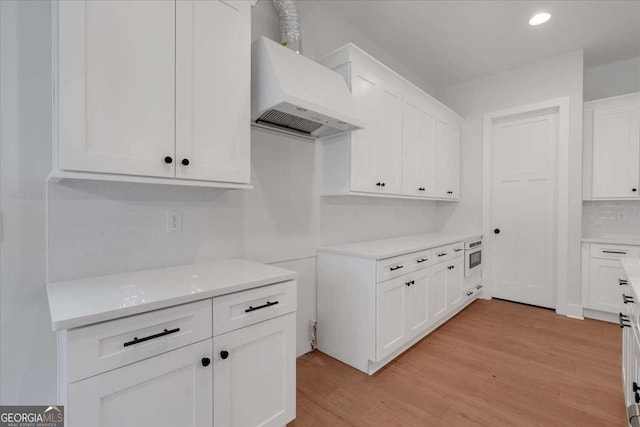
614,240
387,248
631,268
81,302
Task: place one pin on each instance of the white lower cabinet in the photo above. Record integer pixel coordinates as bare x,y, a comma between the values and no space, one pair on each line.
255,374
172,389
602,272
223,362
392,313
370,310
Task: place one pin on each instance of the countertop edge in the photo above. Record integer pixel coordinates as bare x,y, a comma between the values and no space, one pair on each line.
633,241
59,324
359,254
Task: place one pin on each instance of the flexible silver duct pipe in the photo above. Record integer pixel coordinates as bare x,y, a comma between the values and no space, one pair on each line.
289,24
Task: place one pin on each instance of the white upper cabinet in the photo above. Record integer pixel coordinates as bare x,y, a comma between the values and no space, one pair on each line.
151,91
448,159
409,146
418,148
612,148
212,90
116,86
376,157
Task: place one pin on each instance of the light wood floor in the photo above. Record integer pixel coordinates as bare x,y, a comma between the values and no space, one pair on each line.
494,364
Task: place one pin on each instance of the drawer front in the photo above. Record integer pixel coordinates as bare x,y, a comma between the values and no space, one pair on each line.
445,253
420,260
393,267
105,346
614,251
235,311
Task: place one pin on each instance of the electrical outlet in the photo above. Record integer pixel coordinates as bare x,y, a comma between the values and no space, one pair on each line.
174,222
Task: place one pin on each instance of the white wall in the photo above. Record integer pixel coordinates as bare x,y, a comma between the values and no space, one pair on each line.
553,78
27,345
101,228
612,79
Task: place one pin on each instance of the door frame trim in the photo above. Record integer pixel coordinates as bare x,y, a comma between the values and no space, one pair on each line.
561,105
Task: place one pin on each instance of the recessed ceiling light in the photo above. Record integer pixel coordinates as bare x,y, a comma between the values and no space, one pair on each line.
539,18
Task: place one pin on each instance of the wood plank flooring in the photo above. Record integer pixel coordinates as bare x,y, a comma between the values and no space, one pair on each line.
494,364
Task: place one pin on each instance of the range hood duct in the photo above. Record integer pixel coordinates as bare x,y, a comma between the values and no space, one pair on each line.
289,24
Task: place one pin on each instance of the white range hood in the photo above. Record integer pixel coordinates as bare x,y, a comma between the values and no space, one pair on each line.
293,94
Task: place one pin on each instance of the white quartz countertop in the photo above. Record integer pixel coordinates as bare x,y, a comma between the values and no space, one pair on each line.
387,248
81,302
614,240
631,268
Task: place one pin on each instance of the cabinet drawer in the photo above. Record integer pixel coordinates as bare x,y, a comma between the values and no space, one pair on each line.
444,253
614,251
420,260
235,311
104,346
393,267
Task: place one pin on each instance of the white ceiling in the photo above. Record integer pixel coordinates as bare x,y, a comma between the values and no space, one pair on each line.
455,41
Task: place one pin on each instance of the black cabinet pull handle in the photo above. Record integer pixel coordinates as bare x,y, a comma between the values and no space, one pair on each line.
383,184
622,282
379,184
621,319
410,282
635,387
422,189
206,361
397,267
168,160
137,340
637,397
420,261
442,254
224,354
469,293
185,162
627,299
457,250
634,190
268,304
614,252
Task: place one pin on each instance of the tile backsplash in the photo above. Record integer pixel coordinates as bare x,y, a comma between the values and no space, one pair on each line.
615,218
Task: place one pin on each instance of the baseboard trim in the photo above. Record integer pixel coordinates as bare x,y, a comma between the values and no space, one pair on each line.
575,311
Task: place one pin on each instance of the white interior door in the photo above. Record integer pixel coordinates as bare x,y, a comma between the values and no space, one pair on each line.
116,86
523,208
212,90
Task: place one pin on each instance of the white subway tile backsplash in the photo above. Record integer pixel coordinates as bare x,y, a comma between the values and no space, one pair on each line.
611,218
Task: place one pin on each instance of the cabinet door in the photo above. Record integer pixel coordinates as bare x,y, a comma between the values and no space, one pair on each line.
213,41
419,151
448,163
438,291
172,389
255,374
455,281
391,327
116,86
616,152
376,152
605,294
418,302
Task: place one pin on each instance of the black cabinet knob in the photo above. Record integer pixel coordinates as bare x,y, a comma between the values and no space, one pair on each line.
637,397
206,361
224,354
383,184
635,387
379,184
497,231
168,160
185,162
634,190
